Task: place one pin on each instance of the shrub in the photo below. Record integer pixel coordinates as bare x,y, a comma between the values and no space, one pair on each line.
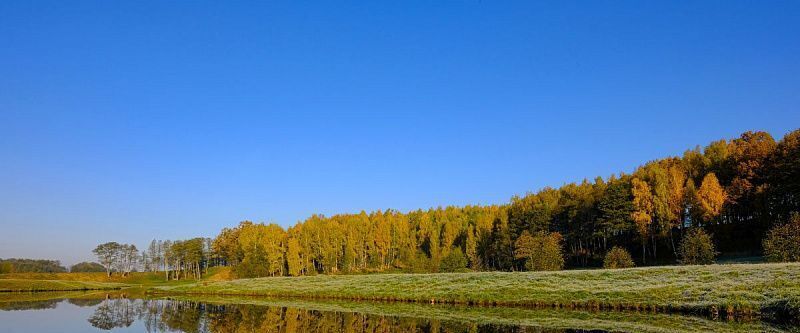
783,242
86,267
696,248
455,261
618,257
541,252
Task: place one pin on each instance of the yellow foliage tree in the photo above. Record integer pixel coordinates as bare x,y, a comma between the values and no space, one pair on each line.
710,197
642,210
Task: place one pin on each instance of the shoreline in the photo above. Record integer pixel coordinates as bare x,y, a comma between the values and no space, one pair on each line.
717,291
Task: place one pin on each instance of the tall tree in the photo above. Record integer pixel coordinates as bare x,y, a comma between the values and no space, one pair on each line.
710,197
642,211
108,255
615,210
784,176
293,261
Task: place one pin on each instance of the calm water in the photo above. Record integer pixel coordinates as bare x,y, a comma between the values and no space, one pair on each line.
93,312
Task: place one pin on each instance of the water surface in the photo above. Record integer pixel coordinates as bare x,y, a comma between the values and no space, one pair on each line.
97,312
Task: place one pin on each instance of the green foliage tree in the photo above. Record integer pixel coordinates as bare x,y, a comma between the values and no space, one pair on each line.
108,255
541,252
618,257
533,212
782,243
6,267
15,265
615,210
455,261
87,267
697,248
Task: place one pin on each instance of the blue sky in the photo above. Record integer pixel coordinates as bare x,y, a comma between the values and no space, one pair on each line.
129,121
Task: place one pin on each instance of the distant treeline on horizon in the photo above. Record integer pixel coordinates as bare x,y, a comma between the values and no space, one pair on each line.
15,265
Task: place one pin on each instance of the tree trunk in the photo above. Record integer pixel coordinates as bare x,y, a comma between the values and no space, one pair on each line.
655,255
672,242
644,252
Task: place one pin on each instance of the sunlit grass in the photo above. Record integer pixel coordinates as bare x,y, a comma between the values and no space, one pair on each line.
94,281
10,285
547,319
725,289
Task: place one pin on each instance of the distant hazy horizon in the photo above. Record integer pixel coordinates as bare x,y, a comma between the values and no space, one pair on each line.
133,121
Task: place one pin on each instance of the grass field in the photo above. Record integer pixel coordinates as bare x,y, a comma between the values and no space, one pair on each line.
95,281
11,285
730,290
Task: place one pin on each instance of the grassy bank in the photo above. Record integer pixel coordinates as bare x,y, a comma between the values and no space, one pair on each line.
545,319
145,278
27,285
36,282
730,290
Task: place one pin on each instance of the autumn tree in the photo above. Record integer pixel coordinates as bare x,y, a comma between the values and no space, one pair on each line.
294,262
749,157
744,184
642,211
226,244
618,257
784,176
710,197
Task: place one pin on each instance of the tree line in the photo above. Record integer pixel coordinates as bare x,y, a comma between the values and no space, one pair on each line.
14,265
734,190
178,259
719,199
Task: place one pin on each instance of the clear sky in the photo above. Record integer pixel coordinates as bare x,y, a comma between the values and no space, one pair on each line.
128,121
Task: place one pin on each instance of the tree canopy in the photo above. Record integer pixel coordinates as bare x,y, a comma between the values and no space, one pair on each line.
733,189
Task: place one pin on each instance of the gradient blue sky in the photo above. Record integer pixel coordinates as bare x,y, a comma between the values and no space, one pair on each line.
129,121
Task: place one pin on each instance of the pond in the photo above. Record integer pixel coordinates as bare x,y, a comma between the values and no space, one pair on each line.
93,312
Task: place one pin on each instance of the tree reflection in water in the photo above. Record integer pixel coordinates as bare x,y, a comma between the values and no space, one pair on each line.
282,316
114,313
194,317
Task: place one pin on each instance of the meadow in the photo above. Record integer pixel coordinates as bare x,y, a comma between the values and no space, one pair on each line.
730,290
547,320
738,290
29,285
38,282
